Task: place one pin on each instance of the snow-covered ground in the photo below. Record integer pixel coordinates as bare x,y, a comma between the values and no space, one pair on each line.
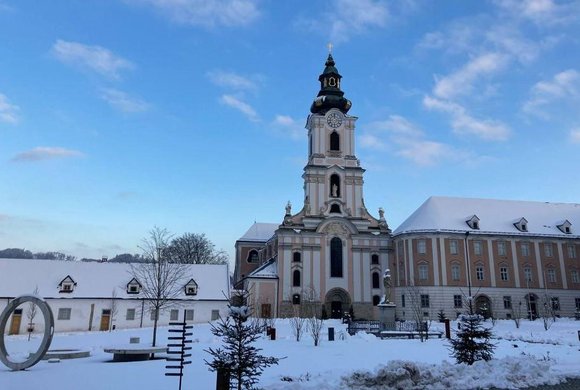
526,356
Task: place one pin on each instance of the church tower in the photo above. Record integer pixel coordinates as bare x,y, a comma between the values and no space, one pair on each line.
332,250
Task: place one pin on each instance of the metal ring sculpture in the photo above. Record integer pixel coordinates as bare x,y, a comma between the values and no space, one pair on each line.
46,340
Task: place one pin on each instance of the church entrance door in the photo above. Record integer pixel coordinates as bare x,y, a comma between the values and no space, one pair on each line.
335,309
338,301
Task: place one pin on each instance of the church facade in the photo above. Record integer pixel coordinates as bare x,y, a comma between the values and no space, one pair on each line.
510,258
332,250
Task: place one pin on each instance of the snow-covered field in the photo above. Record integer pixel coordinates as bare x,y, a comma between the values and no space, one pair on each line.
526,356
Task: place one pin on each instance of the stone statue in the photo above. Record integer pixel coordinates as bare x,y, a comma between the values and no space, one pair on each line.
381,213
334,191
387,285
288,208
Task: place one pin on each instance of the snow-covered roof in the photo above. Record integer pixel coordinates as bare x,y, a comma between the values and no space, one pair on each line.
98,280
447,214
267,270
260,231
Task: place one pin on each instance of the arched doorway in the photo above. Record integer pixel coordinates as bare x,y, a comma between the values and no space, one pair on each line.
337,302
483,306
532,306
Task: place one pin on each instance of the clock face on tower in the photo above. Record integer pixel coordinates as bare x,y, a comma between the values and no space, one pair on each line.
334,120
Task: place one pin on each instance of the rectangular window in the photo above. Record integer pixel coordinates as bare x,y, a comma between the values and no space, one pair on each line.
528,274
423,272
548,250
453,248
174,315
455,272
64,313
501,251
154,314
551,275
402,300
457,301
571,251
479,272
574,275
424,300
188,315
422,247
525,248
507,302
215,315
555,303
130,316
503,273
477,248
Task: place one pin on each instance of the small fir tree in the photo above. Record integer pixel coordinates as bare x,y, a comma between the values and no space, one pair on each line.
473,340
238,355
441,316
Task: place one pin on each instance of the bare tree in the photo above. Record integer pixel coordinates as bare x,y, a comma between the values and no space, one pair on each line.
416,305
114,307
298,320
162,281
547,312
516,312
313,309
31,312
193,248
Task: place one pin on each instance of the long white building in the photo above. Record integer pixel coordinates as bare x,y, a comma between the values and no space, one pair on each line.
102,296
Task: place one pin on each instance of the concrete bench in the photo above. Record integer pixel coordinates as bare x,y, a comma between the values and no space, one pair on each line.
133,352
408,334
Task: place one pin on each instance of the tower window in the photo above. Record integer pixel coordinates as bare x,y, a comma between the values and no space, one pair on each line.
336,258
335,209
297,257
335,186
334,141
375,259
253,256
376,282
296,278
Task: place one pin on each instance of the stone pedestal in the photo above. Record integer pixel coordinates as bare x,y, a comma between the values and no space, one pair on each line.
387,315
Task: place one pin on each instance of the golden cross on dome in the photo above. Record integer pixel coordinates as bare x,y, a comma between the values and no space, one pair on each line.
329,47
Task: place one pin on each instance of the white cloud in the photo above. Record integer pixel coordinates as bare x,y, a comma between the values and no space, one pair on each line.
370,141
123,102
463,123
345,18
461,82
231,80
564,85
229,13
542,12
95,58
45,153
427,153
8,111
398,125
241,106
289,126
575,135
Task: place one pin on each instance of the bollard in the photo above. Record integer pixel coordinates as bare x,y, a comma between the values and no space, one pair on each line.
223,379
330,334
447,328
268,330
272,333
579,335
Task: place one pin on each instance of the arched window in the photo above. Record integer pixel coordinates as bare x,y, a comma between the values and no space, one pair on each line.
334,141
335,209
336,258
297,257
335,186
376,282
376,300
253,256
375,259
296,278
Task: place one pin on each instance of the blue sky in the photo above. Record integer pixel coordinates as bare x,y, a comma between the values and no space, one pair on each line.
116,116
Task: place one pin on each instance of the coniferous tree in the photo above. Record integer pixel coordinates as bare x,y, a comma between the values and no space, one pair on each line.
441,316
473,340
238,355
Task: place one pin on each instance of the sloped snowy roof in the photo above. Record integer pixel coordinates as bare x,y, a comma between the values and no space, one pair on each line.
260,231
267,270
18,276
449,214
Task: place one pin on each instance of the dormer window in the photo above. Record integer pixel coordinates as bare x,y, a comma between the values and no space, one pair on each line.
565,227
521,225
133,287
473,222
191,288
67,285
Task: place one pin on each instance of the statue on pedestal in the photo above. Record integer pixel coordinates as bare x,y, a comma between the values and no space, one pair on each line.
387,285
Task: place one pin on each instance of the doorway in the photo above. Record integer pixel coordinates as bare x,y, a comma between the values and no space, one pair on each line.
532,306
105,319
15,323
338,301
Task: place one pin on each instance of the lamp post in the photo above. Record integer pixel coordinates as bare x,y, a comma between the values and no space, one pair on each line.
468,273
